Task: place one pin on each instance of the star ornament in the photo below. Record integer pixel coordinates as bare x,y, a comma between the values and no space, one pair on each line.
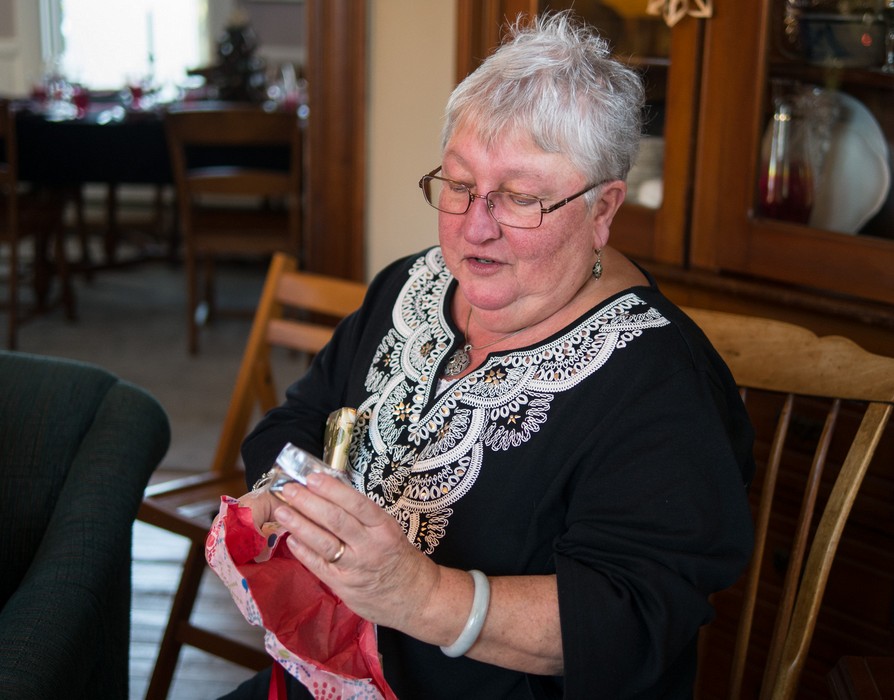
674,10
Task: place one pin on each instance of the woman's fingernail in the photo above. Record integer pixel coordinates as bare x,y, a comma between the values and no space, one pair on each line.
283,514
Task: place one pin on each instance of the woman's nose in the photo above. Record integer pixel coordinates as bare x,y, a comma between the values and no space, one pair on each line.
479,224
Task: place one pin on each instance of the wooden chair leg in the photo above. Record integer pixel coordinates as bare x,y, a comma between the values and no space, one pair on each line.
86,264
181,632
112,232
63,271
181,609
41,270
209,288
192,301
175,235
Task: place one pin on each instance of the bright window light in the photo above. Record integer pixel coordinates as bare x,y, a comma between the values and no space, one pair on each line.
107,45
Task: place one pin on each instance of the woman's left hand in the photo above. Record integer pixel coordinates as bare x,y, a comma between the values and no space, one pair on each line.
378,573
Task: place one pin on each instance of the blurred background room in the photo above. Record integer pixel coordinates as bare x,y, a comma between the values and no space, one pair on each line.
763,186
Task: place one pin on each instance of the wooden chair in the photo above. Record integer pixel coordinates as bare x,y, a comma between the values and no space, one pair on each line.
186,506
34,213
796,386
237,173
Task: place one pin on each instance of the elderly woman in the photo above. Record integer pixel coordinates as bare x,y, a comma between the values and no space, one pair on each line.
550,460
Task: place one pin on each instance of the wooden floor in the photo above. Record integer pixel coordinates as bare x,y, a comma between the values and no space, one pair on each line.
157,556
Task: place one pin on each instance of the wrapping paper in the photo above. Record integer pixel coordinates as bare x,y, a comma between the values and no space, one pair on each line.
309,631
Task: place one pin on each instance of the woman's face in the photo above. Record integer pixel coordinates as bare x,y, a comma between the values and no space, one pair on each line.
518,277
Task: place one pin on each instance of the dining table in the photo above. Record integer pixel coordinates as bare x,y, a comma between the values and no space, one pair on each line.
103,143
108,144
111,143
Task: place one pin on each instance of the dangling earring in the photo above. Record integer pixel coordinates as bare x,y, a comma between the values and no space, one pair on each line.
597,266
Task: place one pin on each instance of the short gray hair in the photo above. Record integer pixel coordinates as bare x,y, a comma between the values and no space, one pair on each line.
555,80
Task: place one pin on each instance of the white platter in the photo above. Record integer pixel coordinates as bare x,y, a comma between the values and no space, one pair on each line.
856,172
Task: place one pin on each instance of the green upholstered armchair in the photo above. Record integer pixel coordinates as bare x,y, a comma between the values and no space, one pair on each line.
77,448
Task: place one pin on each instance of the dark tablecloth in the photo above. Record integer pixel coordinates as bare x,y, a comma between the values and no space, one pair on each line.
84,150
130,151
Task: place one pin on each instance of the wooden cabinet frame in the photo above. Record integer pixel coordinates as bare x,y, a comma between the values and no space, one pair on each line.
705,245
645,234
479,28
336,137
727,235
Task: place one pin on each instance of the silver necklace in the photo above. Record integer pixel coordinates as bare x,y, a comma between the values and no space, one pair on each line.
460,359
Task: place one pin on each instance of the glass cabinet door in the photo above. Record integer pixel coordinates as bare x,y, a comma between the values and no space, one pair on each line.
813,69
652,221
830,75
794,161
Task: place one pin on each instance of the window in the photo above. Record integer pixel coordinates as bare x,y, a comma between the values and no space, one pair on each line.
106,45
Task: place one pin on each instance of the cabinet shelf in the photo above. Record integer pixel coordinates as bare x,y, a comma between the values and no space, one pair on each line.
647,62
870,78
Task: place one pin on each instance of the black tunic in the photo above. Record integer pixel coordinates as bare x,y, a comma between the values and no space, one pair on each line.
614,454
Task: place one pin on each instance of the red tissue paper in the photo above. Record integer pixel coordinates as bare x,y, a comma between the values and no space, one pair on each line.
310,632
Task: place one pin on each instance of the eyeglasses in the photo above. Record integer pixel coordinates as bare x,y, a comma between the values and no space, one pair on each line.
507,208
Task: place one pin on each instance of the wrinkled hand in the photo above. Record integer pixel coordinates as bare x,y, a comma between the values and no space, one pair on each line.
380,575
262,504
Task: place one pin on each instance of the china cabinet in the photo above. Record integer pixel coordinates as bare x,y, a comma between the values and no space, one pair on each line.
722,224
746,56
713,87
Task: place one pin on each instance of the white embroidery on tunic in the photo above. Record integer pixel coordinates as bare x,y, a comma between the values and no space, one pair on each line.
417,457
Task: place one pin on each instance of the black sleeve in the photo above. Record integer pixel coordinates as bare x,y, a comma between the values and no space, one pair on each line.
657,521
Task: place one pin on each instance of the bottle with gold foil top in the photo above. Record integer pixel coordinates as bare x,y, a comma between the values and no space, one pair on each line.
294,464
337,438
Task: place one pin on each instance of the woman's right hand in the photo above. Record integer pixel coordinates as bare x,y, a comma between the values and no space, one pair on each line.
262,504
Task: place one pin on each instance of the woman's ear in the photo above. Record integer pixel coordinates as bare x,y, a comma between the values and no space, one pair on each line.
611,197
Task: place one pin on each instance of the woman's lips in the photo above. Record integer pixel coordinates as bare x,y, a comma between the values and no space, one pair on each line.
480,258
482,264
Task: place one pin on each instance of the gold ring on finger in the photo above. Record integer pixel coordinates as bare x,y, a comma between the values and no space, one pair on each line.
338,554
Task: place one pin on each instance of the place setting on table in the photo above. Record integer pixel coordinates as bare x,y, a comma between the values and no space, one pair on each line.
70,134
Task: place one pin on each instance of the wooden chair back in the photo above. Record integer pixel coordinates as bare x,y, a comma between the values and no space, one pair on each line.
795,384
286,289
8,148
36,213
238,177
9,226
297,312
208,149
